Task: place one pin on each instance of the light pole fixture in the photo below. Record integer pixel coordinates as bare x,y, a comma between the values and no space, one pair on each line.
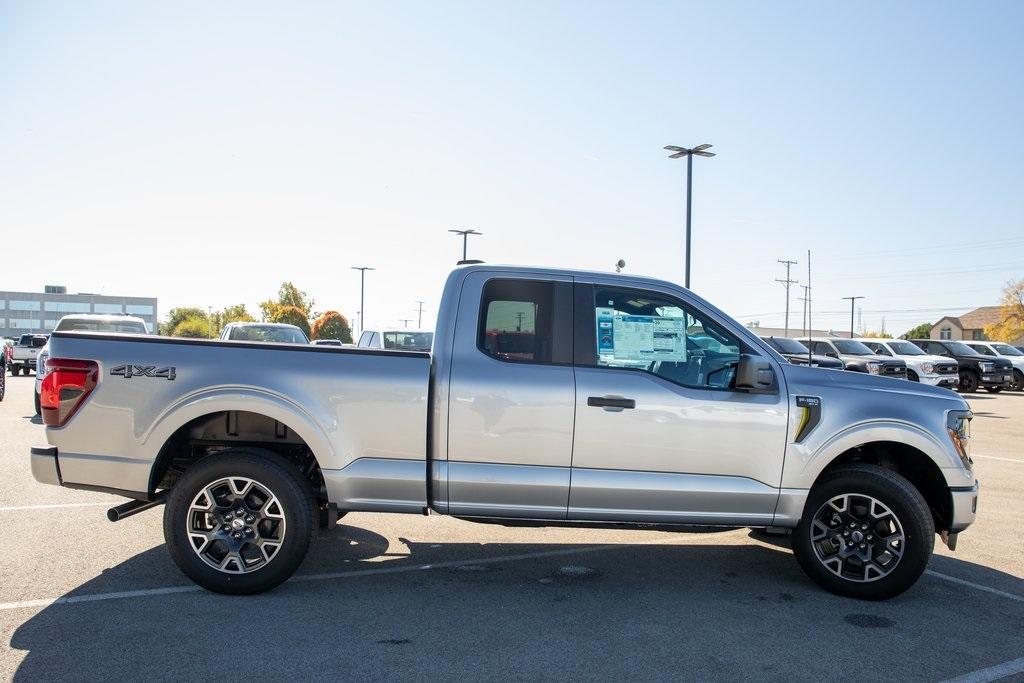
677,153
465,235
853,300
362,291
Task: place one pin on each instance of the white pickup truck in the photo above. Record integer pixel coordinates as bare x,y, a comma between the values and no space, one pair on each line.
550,397
25,351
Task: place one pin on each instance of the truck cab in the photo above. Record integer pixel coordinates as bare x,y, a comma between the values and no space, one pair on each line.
938,371
1006,352
857,357
993,373
549,397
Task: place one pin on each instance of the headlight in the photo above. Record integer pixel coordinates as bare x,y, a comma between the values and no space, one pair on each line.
987,366
927,367
874,368
958,426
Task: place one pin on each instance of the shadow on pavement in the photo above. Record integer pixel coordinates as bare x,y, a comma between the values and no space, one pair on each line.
674,610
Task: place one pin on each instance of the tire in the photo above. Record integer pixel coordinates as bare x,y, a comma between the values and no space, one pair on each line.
3,380
993,390
898,507
39,408
912,376
236,479
968,382
1018,381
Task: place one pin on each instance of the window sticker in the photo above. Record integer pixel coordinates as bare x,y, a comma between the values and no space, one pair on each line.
640,338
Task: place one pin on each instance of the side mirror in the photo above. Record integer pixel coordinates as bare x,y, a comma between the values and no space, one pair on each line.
754,373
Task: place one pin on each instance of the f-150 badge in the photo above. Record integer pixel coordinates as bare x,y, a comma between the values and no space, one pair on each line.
130,370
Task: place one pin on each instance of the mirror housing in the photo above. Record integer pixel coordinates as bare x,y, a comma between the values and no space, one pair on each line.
754,373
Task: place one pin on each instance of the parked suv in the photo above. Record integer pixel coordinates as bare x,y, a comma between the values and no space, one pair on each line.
857,357
1008,352
938,371
991,372
396,340
273,333
798,354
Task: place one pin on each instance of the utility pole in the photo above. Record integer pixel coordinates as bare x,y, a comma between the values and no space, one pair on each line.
405,321
853,300
419,318
519,321
362,292
465,235
804,299
786,283
679,152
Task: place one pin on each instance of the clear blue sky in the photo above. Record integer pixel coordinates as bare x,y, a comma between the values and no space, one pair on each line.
204,152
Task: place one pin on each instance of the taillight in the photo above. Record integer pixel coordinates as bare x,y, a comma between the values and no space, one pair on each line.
66,386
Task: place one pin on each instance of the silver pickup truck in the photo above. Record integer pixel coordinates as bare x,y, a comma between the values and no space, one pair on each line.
551,397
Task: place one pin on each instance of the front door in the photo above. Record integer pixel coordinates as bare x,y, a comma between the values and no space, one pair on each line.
662,434
512,398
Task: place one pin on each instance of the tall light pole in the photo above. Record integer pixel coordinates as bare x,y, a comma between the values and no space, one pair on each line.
853,300
362,291
419,314
465,235
786,283
679,152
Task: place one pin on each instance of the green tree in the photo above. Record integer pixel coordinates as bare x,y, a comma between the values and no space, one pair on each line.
287,295
198,327
179,315
332,325
878,335
922,331
232,314
291,315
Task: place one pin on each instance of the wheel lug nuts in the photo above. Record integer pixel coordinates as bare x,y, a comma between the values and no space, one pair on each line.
863,545
249,531
249,519
237,535
225,528
227,516
846,533
239,512
870,537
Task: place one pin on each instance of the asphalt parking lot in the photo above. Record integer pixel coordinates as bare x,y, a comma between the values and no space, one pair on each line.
409,597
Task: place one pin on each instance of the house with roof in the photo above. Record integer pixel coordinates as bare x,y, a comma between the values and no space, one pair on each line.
969,326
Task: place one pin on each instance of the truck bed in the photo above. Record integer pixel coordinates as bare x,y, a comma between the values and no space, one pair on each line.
359,411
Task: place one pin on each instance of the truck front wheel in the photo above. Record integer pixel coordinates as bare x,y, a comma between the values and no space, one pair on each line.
866,533
968,382
240,521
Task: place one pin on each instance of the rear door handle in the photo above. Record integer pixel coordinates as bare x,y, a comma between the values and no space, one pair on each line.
610,402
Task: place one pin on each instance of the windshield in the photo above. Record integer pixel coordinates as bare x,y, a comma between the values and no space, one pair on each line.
123,326
852,348
905,348
786,345
268,333
958,349
408,341
1007,350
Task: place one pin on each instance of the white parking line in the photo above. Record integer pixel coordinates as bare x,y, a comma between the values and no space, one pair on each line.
992,673
55,505
976,586
993,457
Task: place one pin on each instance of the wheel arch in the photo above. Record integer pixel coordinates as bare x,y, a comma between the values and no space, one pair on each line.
227,418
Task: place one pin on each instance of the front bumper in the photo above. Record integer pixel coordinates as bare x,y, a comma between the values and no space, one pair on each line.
44,465
999,378
964,507
948,381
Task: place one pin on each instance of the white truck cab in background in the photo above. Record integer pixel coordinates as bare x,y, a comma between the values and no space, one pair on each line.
937,371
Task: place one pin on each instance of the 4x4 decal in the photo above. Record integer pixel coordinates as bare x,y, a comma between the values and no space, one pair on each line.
129,370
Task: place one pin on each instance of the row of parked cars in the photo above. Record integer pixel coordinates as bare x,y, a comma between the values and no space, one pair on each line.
966,366
30,351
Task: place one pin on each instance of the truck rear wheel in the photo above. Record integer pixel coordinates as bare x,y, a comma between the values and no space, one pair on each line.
240,521
1018,381
866,533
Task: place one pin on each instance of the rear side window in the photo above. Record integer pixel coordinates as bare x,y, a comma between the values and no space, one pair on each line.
518,321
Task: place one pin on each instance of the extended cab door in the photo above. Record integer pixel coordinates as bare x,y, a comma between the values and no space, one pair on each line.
662,435
511,397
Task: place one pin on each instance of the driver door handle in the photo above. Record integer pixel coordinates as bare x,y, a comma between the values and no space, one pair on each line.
611,402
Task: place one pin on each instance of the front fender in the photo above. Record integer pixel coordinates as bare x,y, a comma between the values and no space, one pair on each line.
805,462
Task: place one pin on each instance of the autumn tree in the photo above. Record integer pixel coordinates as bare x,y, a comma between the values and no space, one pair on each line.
1010,327
179,315
877,335
291,315
198,327
332,325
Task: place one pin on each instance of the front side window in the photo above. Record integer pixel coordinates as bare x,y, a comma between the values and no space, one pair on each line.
517,321
878,348
823,349
658,334
982,349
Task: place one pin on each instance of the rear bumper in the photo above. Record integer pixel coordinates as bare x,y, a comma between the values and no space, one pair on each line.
44,465
964,507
